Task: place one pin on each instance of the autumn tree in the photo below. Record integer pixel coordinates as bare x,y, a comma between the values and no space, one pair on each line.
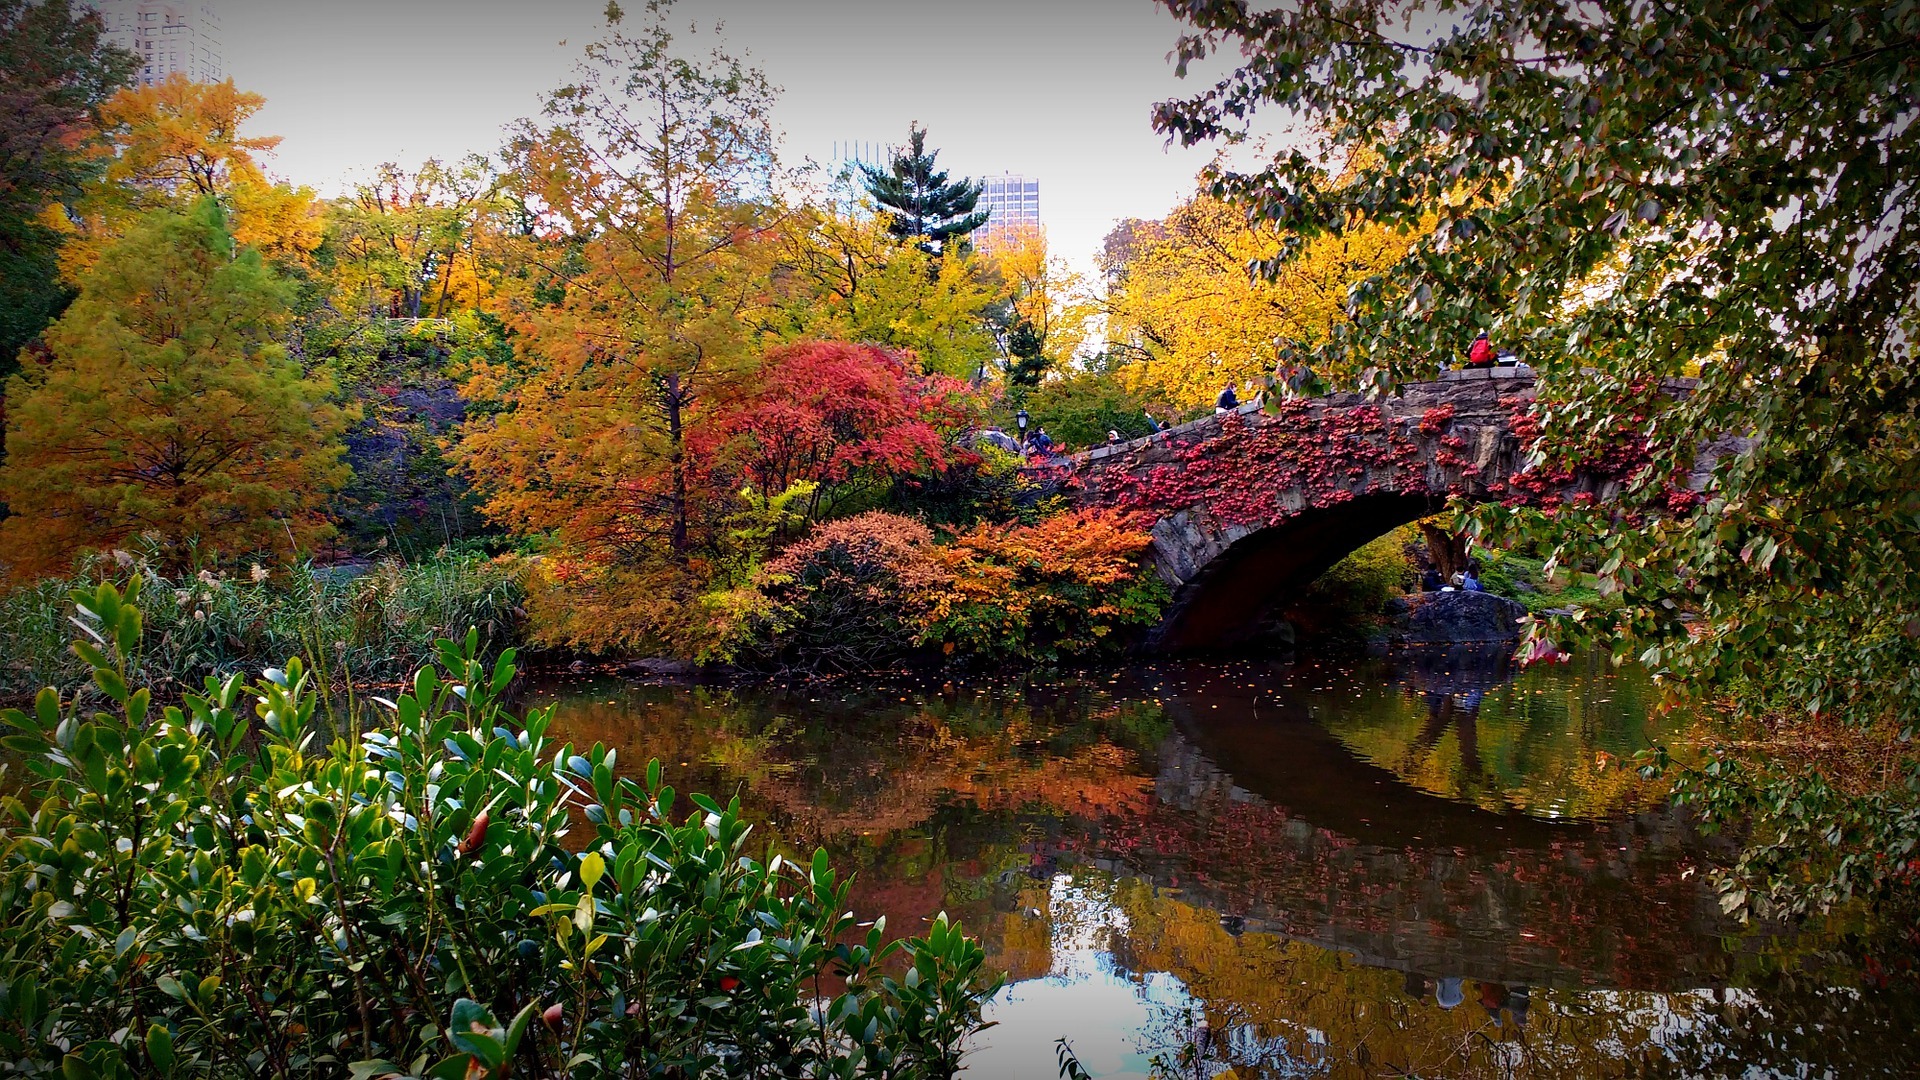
845,278
648,184
1627,192
177,141
920,203
846,420
403,244
1184,314
55,71
1043,312
170,413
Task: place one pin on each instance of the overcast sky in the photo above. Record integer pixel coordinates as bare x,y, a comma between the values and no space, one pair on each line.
1059,90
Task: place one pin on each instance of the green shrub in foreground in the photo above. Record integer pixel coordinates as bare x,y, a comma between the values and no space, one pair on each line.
207,893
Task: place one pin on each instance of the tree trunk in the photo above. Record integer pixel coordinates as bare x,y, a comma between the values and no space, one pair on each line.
674,399
1447,550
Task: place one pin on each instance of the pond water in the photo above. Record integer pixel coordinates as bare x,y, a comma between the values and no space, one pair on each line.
1421,866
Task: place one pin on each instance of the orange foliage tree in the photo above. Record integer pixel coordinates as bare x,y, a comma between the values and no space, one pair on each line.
646,188
178,141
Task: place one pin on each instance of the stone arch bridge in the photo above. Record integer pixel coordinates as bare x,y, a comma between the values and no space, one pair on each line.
1249,507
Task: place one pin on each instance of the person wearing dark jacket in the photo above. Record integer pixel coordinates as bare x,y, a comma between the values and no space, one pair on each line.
1228,400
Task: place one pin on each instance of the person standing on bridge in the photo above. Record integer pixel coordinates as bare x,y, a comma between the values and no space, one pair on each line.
1227,401
1482,354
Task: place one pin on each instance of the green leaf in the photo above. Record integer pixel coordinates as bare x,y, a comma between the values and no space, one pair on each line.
160,1048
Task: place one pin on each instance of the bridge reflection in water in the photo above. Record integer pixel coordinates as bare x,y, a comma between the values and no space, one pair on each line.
1424,866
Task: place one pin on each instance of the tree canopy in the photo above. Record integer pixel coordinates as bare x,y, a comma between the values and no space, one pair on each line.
1183,314
55,71
169,413
919,201
1627,192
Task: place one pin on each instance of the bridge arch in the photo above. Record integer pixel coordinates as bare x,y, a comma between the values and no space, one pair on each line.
1247,508
1231,592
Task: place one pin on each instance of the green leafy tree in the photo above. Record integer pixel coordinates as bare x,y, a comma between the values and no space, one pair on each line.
1078,409
1627,192
920,202
169,412
55,71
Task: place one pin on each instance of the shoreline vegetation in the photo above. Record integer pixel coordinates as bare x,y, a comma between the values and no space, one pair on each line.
872,594
214,889
365,624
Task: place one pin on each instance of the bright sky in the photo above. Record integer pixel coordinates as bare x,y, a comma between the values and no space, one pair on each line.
1059,90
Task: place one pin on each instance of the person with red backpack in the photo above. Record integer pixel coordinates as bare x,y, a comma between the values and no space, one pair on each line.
1482,354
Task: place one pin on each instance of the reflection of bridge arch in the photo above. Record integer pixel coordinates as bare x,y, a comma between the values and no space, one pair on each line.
1274,752
1301,838
1250,507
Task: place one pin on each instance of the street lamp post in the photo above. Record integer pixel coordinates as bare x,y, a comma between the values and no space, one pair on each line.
1020,420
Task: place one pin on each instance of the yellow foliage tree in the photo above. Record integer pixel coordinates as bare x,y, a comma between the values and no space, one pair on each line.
406,244
169,412
1044,308
1185,316
850,279
178,141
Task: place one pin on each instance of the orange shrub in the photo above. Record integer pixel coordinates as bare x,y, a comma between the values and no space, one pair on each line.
1063,587
850,595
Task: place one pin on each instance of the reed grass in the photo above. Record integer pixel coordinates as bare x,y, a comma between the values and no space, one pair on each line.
360,625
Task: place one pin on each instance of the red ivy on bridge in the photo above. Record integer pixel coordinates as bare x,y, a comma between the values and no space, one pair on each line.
1260,474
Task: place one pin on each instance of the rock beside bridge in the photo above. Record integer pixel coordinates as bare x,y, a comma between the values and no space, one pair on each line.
1460,618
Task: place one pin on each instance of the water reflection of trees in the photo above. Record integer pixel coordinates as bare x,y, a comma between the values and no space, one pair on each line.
1299,892
1462,724
1273,1007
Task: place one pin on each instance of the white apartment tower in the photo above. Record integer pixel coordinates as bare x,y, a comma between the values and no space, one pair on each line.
168,36
1013,205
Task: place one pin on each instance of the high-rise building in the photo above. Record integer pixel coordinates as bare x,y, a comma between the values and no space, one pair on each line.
168,36
1013,206
846,155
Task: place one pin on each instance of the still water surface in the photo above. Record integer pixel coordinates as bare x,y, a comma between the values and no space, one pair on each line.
1422,866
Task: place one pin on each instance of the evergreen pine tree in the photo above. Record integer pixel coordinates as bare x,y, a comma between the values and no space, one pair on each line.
919,201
